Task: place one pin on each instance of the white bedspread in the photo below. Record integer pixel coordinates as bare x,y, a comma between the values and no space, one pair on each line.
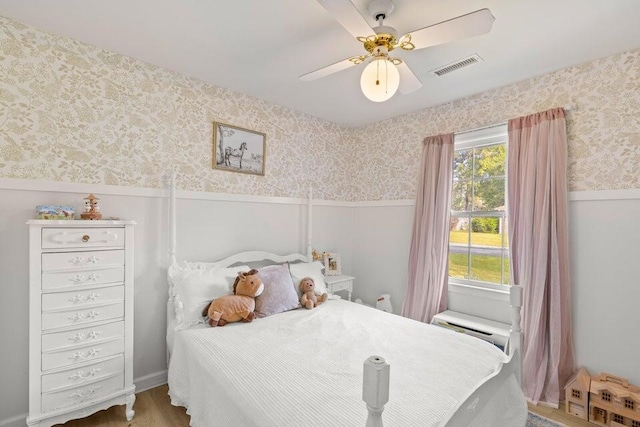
304,368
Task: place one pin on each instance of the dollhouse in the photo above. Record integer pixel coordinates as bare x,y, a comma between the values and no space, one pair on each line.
611,401
577,394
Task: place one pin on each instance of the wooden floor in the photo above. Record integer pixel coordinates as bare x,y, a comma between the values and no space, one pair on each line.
560,416
153,408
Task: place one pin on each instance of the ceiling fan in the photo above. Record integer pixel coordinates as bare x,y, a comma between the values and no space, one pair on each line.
384,75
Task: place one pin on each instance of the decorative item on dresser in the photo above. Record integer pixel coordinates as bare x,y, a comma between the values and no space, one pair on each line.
81,319
339,283
91,208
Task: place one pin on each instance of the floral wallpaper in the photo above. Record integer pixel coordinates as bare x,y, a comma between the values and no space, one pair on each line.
74,113
603,129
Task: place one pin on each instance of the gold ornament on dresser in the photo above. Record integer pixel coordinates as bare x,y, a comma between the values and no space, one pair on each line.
91,208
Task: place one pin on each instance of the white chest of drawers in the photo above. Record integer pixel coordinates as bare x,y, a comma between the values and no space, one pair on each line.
80,319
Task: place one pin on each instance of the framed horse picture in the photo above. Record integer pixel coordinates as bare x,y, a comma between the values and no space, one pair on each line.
238,150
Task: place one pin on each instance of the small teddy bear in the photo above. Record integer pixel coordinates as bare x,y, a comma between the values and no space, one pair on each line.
237,307
309,299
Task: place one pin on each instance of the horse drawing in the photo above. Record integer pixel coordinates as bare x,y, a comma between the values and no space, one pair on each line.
234,152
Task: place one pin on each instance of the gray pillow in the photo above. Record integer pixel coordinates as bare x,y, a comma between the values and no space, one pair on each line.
279,292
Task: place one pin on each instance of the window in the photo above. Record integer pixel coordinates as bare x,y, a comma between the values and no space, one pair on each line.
635,423
630,404
576,393
606,396
478,243
617,418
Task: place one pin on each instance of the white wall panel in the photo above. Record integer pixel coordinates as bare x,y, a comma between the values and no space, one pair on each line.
604,236
207,230
381,237
605,263
373,241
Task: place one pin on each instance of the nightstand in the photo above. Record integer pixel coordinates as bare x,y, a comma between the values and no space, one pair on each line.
339,283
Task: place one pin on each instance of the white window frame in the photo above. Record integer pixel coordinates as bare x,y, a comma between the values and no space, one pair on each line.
478,138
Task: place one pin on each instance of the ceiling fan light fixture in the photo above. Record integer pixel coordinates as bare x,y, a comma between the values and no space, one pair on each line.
380,79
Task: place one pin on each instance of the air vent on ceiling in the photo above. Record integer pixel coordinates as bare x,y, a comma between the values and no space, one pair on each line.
461,63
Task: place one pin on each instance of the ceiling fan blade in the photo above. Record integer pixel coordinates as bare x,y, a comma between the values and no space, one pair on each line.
348,16
329,69
408,81
469,25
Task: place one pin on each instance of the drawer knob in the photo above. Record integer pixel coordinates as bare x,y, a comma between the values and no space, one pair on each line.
79,298
83,375
83,337
82,316
85,238
81,260
82,278
81,395
79,355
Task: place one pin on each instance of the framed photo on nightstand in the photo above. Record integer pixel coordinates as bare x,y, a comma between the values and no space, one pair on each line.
332,264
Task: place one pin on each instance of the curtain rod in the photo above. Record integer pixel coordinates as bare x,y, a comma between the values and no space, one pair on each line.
566,108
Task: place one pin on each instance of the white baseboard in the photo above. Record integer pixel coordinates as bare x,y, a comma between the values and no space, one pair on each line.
150,381
143,383
17,421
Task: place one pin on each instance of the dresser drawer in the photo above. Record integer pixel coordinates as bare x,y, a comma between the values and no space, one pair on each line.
79,376
78,395
78,299
58,319
91,335
51,280
56,238
82,354
82,260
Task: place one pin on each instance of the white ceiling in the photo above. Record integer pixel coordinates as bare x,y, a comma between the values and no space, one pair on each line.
260,47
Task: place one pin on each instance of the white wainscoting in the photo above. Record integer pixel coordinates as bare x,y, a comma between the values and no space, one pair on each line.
604,235
372,238
209,228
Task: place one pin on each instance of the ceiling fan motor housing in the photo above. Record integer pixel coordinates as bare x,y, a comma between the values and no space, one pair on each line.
385,36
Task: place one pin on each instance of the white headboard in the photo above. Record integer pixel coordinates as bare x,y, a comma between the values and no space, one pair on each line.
250,258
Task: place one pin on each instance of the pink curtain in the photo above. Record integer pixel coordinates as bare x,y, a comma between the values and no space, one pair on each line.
429,252
539,249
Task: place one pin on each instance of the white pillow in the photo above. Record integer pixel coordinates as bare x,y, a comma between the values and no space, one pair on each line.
308,269
193,289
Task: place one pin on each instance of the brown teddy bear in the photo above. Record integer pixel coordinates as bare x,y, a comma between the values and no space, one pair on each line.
240,305
309,299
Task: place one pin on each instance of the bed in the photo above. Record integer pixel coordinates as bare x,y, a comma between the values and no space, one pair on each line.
315,367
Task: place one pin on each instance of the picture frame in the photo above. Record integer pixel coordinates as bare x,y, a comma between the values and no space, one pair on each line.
332,264
237,149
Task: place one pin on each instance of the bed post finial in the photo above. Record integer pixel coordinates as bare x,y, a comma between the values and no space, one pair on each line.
309,224
515,333
172,217
375,388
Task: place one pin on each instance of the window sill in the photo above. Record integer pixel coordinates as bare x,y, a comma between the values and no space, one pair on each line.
480,291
